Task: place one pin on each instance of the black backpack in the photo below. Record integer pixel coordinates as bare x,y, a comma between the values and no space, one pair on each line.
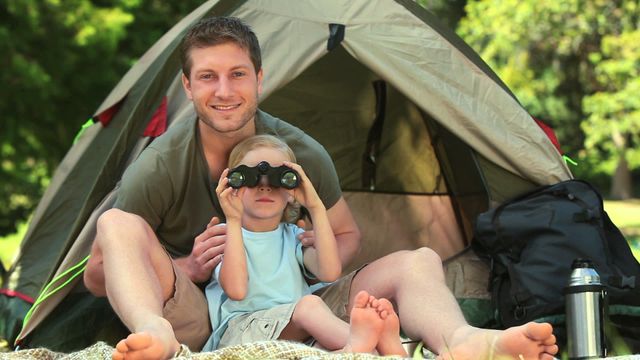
530,243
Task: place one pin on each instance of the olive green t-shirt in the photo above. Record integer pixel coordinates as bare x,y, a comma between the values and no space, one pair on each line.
170,187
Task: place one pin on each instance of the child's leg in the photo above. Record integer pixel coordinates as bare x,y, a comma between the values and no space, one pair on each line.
389,342
313,318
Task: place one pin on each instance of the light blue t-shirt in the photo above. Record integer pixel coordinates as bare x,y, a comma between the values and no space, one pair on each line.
276,272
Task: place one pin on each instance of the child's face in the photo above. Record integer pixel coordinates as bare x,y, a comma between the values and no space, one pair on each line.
264,202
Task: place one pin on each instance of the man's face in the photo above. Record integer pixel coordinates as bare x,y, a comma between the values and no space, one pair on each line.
223,86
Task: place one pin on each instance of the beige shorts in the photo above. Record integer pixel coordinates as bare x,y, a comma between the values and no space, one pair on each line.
268,324
336,295
257,326
187,312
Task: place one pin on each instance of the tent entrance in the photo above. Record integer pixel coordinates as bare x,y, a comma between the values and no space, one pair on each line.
428,186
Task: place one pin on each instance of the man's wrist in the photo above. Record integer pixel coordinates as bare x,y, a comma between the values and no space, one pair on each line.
185,264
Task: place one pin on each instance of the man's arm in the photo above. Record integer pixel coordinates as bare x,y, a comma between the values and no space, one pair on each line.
345,230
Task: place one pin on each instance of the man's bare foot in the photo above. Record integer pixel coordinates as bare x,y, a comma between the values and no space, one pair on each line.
366,325
531,341
389,342
154,342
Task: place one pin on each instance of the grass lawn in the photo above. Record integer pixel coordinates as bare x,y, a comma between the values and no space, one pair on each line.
626,215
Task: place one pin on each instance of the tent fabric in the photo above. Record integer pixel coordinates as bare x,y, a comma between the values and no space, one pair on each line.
454,141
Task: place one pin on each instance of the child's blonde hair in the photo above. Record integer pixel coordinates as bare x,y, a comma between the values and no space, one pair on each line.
292,212
259,141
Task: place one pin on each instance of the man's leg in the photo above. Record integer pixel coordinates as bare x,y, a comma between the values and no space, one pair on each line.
130,267
414,281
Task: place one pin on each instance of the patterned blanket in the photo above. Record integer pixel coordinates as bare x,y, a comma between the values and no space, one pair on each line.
257,350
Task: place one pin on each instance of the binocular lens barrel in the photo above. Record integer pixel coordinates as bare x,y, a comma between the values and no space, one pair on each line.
236,179
280,176
289,179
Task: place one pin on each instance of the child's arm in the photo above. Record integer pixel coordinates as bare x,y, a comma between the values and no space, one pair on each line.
323,259
233,271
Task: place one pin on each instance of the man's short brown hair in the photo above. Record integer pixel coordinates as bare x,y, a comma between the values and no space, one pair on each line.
220,30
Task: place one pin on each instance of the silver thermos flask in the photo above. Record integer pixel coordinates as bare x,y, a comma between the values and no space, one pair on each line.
584,300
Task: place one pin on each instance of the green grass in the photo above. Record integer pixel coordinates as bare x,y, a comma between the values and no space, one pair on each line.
626,216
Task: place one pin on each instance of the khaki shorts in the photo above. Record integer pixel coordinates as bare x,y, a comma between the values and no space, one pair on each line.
187,312
336,295
257,326
268,324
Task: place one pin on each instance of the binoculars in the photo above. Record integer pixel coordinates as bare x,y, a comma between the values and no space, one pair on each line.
280,176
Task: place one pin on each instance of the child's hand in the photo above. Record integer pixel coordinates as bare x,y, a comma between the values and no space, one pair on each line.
305,193
230,198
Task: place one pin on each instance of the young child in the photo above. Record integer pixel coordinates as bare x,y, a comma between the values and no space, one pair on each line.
258,291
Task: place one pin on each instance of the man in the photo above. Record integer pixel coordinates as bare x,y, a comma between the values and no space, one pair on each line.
151,250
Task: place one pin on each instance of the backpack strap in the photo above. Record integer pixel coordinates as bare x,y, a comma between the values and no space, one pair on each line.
624,282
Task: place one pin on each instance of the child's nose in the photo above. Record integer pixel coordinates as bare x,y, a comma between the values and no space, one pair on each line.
264,185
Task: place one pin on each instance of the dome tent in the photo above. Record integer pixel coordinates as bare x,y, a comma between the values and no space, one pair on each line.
423,134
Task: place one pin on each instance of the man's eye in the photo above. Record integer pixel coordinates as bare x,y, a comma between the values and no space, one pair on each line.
238,74
206,76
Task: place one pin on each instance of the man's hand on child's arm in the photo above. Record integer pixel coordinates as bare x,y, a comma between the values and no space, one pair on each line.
206,253
307,237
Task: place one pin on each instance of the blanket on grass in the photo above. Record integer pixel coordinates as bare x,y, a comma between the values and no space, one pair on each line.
256,350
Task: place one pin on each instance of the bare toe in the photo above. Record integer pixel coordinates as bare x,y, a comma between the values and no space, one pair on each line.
361,300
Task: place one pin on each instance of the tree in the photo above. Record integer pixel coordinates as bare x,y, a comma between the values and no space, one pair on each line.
613,125
554,56
58,60
448,11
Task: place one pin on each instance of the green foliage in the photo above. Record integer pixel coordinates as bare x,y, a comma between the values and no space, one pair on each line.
613,125
58,60
572,63
448,11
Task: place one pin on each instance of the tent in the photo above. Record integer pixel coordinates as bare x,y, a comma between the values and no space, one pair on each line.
423,134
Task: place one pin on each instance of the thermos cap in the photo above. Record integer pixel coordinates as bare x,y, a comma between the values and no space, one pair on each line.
582,263
583,273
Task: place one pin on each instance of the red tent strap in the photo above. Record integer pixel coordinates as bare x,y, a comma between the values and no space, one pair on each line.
550,134
106,116
13,293
158,124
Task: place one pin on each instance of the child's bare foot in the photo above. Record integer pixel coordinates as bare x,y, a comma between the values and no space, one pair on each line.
366,325
154,342
525,342
389,342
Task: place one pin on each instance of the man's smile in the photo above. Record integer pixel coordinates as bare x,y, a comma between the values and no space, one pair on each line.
226,107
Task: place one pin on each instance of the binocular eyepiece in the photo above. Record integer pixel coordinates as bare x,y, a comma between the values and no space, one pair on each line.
280,176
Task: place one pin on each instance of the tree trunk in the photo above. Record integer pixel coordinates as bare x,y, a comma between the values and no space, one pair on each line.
621,182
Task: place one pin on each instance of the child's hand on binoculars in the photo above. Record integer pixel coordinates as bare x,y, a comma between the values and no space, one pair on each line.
305,193
230,198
